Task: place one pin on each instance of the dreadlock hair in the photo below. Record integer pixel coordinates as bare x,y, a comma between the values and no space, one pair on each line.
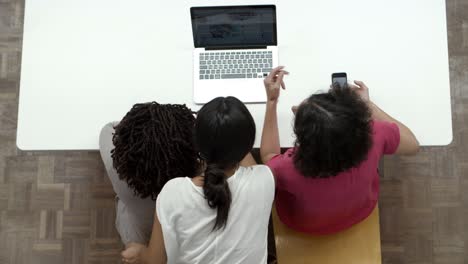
153,144
333,133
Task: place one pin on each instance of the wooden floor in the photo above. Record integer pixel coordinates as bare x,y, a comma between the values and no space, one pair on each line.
59,207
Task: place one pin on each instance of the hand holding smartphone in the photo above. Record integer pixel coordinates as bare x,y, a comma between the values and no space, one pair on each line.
340,78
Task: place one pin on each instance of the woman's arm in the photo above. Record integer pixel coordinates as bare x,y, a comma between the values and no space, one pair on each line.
155,253
408,142
270,145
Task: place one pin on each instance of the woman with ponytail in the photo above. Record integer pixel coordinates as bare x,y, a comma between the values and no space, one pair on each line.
220,216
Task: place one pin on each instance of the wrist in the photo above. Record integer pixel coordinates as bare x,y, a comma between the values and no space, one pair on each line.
272,102
143,255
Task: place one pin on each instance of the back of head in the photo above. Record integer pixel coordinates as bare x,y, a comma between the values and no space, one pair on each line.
333,133
224,134
153,144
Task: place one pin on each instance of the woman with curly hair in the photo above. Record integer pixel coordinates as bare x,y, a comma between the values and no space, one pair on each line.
329,180
151,145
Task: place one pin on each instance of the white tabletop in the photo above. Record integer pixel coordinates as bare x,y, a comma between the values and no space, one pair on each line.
86,62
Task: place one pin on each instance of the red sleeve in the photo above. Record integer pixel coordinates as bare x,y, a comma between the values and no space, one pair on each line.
274,164
390,135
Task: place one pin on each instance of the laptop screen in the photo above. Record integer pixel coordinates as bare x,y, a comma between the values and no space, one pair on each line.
234,26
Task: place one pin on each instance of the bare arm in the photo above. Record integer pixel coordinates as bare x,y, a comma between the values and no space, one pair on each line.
270,145
408,142
155,253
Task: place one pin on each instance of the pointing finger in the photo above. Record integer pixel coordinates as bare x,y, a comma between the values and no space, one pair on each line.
353,86
279,79
273,73
276,70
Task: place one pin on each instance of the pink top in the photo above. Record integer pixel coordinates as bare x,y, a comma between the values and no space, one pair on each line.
328,205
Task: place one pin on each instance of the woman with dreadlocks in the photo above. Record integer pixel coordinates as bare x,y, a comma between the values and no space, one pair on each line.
221,215
150,146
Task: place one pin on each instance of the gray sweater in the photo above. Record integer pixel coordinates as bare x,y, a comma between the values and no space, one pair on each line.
134,216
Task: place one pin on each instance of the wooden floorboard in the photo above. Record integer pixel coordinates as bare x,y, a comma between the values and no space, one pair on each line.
58,207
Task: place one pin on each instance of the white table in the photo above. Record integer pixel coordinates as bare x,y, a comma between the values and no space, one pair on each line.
87,62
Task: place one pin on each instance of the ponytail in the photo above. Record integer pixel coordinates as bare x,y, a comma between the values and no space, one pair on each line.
217,193
224,134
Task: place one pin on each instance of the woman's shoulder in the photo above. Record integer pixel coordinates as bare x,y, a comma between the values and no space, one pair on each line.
380,128
173,193
282,159
175,186
257,169
256,173
385,136
176,183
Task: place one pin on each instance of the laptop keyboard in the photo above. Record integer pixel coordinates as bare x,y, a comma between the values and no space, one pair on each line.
235,64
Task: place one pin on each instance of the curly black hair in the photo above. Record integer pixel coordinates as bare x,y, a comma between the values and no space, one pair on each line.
153,144
333,133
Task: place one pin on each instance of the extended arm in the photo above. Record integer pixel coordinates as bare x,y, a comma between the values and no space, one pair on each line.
408,142
270,145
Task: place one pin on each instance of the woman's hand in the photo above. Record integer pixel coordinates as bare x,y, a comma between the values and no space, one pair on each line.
273,82
361,89
132,253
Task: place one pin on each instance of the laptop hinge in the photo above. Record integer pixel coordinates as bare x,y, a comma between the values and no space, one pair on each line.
234,48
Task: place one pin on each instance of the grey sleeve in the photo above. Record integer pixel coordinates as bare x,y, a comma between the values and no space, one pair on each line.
134,216
120,187
106,145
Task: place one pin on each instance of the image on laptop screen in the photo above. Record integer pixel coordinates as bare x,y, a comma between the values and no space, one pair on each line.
234,26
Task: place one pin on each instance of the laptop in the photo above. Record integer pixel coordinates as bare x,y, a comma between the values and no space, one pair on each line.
235,48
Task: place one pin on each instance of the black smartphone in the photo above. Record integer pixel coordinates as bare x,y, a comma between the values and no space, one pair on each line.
340,78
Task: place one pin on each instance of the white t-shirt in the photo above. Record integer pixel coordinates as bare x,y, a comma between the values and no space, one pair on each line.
187,221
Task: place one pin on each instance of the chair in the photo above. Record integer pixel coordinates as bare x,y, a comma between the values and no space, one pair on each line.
359,244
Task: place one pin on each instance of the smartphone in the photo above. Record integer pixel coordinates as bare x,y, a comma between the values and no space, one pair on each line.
340,78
